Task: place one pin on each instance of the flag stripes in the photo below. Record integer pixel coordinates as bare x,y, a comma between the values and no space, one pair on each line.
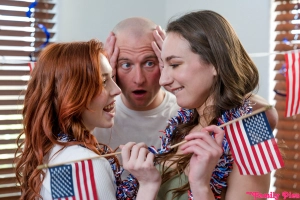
292,83
260,157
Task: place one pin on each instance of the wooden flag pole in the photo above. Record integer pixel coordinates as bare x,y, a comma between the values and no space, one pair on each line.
58,164
44,166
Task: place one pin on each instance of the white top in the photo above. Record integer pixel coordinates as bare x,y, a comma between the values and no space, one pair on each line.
103,174
138,126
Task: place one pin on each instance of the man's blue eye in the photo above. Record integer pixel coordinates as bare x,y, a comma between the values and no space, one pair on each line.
125,65
149,63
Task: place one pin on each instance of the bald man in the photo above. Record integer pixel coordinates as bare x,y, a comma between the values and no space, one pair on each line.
143,108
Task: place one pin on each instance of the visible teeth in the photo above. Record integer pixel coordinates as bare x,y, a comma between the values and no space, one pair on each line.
109,106
177,90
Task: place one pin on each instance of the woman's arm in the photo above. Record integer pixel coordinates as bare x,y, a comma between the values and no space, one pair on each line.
245,186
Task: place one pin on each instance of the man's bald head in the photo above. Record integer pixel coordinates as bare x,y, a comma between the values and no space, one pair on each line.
137,71
134,32
134,27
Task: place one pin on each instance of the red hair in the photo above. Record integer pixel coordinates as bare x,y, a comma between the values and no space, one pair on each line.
66,78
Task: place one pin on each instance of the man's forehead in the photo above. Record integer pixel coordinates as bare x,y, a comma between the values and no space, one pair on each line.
137,56
132,37
135,46
133,43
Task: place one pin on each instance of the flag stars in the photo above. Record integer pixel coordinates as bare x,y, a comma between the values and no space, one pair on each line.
257,129
61,177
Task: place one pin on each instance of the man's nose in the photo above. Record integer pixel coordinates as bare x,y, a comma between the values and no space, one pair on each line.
139,77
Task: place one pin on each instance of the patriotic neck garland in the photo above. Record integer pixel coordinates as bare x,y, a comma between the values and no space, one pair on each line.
224,167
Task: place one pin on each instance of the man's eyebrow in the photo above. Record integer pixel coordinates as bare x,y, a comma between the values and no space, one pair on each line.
123,58
150,56
171,57
145,58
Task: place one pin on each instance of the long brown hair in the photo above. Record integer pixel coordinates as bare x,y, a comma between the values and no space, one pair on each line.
214,40
66,78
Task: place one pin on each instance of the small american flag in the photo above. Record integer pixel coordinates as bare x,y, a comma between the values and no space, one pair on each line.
292,83
253,145
73,181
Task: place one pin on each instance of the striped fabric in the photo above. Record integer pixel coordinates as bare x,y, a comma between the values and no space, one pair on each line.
253,145
292,83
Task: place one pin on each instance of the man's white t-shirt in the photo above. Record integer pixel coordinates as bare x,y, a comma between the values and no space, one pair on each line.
138,126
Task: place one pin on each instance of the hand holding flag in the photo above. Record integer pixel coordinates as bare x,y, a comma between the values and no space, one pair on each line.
252,143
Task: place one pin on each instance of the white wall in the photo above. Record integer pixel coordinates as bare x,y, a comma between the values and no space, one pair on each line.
86,19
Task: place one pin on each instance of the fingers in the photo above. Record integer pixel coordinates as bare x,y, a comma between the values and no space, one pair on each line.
134,154
150,158
203,135
203,140
113,52
156,49
161,32
201,147
219,133
114,56
140,163
191,149
204,144
142,155
126,151
137,151
157,52
113,62
110,43
159,36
